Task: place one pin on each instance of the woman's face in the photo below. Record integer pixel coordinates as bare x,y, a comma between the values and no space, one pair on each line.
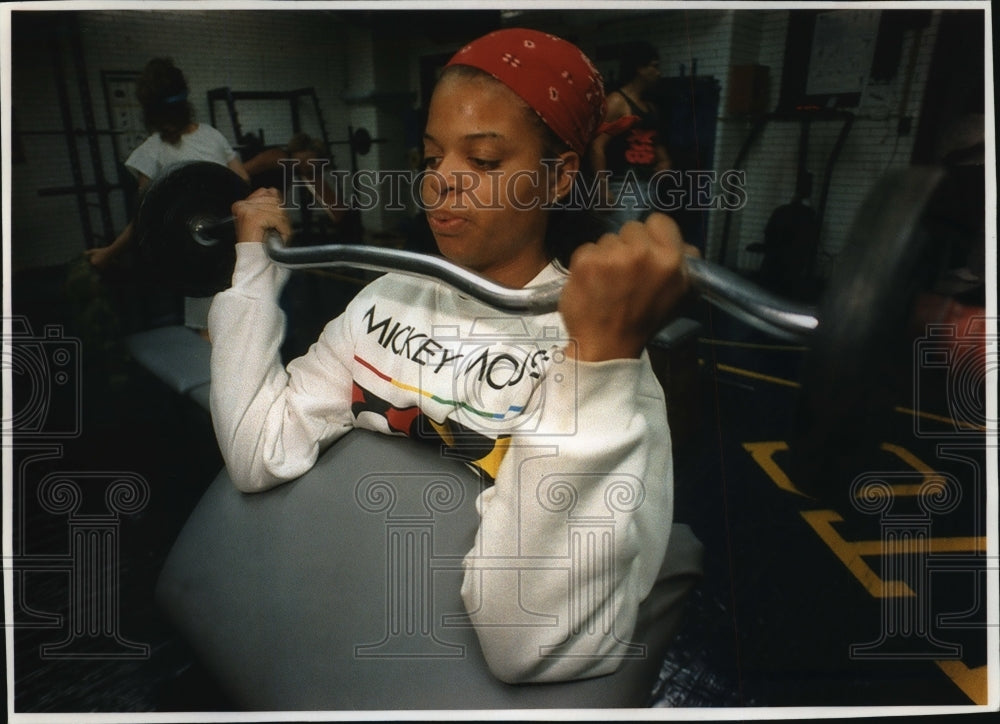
649,73
486,184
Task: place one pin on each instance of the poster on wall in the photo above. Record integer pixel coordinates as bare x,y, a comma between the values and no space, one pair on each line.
842,50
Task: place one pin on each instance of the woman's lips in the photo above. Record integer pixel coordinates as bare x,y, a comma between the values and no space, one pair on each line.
445,223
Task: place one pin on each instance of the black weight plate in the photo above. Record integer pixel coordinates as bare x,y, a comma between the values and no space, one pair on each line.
361,142
176,257
853,368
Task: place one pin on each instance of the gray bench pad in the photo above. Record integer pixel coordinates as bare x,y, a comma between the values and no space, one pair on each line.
175,354
285,594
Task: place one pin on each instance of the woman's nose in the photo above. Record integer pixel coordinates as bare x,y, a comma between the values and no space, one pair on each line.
437,182
448,171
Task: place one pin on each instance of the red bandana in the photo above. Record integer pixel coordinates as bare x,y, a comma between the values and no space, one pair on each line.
551,75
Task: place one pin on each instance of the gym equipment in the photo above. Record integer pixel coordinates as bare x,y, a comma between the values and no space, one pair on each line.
185,238
288,597
360,141
792,235
185,235
851,366
173,208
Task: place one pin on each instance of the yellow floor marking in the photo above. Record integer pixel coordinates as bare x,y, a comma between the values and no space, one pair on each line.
932,478
972,682
976,544
753,345
897,490
790,383
756,375
941,418
851,553
912,460
763,455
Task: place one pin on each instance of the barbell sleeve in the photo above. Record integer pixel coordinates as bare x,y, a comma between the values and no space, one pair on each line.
748,302
719,286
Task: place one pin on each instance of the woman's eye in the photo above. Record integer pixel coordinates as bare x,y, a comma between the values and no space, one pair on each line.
485,164
480,164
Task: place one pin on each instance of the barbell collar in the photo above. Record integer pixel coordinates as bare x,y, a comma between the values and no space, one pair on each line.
204,229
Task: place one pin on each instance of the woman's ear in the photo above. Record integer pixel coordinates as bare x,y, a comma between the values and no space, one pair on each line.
566,169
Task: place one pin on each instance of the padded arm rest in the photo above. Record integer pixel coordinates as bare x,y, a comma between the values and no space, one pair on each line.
340,590
175,354
202,395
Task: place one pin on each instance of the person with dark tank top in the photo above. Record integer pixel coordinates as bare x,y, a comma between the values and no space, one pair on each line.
625,158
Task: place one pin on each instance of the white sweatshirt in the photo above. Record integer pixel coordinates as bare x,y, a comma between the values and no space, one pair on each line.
574,528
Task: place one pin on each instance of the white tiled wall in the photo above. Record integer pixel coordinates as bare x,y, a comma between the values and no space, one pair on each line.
872,148
711,41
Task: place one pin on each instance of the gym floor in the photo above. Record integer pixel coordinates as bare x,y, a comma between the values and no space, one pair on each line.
822,600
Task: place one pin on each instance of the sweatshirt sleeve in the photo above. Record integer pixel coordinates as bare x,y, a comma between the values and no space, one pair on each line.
271,422
575,528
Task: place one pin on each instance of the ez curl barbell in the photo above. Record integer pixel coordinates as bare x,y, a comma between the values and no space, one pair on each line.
186,238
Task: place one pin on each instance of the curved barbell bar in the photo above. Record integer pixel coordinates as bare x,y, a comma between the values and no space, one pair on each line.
726,290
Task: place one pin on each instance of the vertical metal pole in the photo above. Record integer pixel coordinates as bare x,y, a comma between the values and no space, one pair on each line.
93,139
67,119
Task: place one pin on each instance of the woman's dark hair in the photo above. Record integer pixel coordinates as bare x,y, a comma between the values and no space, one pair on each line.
571,223
163,93
635,56
571,226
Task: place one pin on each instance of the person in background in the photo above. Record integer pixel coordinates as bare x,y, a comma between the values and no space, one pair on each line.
267,170
174,137
632,155
537,404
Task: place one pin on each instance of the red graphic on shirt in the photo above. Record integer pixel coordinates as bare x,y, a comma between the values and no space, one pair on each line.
357,395
639,149
462,442
402,419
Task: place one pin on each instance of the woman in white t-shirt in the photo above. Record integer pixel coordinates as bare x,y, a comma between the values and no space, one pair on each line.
175,137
